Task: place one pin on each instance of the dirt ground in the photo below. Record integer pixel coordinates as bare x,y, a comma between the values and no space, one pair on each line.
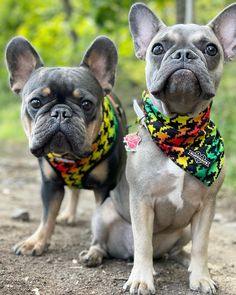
59,271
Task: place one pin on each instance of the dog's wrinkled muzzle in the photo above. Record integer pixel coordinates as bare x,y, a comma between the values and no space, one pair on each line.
183,72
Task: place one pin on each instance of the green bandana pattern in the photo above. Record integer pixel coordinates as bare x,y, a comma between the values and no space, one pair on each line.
194,144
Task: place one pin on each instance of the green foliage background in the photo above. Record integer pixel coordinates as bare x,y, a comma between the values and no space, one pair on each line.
61,30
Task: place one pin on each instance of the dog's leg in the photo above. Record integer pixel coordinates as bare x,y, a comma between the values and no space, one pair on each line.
52,196
112,235
97,250
200,277
177,253
141,278
94,256
68,215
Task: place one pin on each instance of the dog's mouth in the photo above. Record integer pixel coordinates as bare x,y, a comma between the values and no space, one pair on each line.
184,82
50,137
181,83
60,144
183,90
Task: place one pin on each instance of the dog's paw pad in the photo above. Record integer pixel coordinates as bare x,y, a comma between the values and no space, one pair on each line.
91,258
139,287
205,285
29,248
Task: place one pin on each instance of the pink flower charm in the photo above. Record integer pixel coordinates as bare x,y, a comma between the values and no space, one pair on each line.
131,142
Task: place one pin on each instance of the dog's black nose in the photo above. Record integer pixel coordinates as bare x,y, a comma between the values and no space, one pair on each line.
184,55
61,112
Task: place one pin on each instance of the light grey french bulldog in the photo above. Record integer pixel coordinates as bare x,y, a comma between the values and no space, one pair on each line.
168,206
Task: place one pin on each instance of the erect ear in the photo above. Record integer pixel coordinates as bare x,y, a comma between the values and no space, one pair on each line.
144,25
101,58
21,59
224,27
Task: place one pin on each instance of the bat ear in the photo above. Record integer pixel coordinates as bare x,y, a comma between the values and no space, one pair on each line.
224,27
144,25
21,59
101,58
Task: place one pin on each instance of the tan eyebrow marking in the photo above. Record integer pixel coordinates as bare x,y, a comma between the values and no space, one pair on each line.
46,91
76,93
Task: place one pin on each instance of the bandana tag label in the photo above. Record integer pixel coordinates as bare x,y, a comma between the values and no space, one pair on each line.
199,158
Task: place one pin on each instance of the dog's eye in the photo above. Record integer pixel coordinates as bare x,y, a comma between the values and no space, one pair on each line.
157,49
86,105
35,103
211,49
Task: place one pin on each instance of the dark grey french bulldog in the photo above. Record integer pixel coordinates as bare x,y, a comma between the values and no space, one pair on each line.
74,126
184,65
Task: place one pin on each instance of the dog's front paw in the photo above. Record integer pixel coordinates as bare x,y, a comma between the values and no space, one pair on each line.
203,284
140,282
31,247
91,258
66,218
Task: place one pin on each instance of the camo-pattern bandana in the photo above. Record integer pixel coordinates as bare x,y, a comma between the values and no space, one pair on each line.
194,144
75,172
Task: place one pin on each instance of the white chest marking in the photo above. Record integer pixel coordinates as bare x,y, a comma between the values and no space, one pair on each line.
175,196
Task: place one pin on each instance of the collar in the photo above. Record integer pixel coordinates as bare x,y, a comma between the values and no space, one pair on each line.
75,172
194,144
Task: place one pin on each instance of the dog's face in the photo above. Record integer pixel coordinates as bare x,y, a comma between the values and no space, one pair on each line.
184,63
61,107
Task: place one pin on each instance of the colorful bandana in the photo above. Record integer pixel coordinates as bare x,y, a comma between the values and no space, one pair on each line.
75,172
194,144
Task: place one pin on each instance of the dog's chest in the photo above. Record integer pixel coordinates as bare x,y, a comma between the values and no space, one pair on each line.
174,195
